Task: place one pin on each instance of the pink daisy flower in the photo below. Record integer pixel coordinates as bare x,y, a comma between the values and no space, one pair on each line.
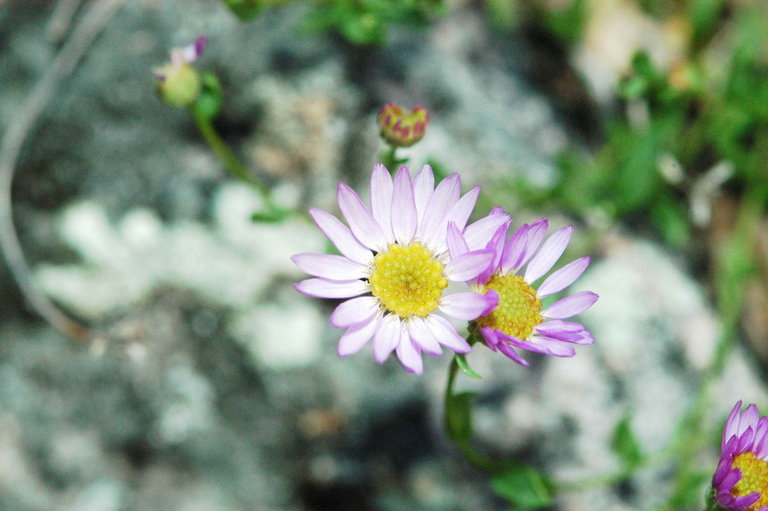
394,267
741,478
519,321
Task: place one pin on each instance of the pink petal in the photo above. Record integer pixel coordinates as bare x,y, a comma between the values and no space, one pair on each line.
341,236
409,355
446,334
354,311
550,252
322,288
563,277
386,338
514,249
570,305
423,186
365,228
435,217
468,265
356,337
551,346
404,216
456,244
328,266
465,306
731,424
459,213
423,337
381,199
478,234
536,232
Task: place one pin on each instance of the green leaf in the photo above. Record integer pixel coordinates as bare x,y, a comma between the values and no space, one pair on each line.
461,361
625,444
245,10
523,486
459,416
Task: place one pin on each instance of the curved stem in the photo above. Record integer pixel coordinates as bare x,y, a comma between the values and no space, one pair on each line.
91,24
232,163
463,444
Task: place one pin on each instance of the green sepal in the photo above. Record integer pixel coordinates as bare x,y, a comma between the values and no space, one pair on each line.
461,361
210,99
522,486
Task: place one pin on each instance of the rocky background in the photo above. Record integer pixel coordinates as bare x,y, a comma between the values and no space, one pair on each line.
217,386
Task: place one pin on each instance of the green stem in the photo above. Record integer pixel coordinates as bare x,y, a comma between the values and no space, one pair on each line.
389,158
464,445
232,163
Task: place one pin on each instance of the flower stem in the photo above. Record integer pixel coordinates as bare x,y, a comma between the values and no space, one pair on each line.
459,438
233,164
389,158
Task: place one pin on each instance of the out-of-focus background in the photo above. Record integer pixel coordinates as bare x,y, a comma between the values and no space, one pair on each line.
216,387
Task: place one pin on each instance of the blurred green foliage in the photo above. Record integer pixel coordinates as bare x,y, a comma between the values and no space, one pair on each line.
710,107
361,22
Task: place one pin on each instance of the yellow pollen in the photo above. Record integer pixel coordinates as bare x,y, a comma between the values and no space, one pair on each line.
519,309
407,280
754,478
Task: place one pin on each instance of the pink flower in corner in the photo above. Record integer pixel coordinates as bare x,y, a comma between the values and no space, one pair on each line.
740,481
394,266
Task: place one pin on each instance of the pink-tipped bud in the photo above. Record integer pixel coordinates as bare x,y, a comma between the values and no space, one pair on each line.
178,82
401,127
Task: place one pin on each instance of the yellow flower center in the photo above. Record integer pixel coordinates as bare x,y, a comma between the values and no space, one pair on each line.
519,309
407,280
754,478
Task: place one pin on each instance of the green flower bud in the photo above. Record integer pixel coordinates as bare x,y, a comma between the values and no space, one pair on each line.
178,82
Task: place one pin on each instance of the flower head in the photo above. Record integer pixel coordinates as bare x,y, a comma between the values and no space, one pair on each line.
519,320
741,478
178,82
401,127
394,267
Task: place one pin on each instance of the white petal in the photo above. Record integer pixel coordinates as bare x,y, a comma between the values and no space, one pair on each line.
340,235
423,186
381,199
455,241
386,338
409,355
446,334
459,213
404,216
478,234
435,217
356,337
322,288
365,228
464,306
550,252
468,265
328,266
423,337
354,311
563,277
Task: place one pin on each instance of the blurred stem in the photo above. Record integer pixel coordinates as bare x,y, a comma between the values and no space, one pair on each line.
233,164
463,444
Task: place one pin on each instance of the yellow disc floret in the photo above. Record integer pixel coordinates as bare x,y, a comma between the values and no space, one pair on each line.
754,478
407,280
519,309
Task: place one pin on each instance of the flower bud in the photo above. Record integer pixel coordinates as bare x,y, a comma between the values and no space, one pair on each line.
400,127
178,82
